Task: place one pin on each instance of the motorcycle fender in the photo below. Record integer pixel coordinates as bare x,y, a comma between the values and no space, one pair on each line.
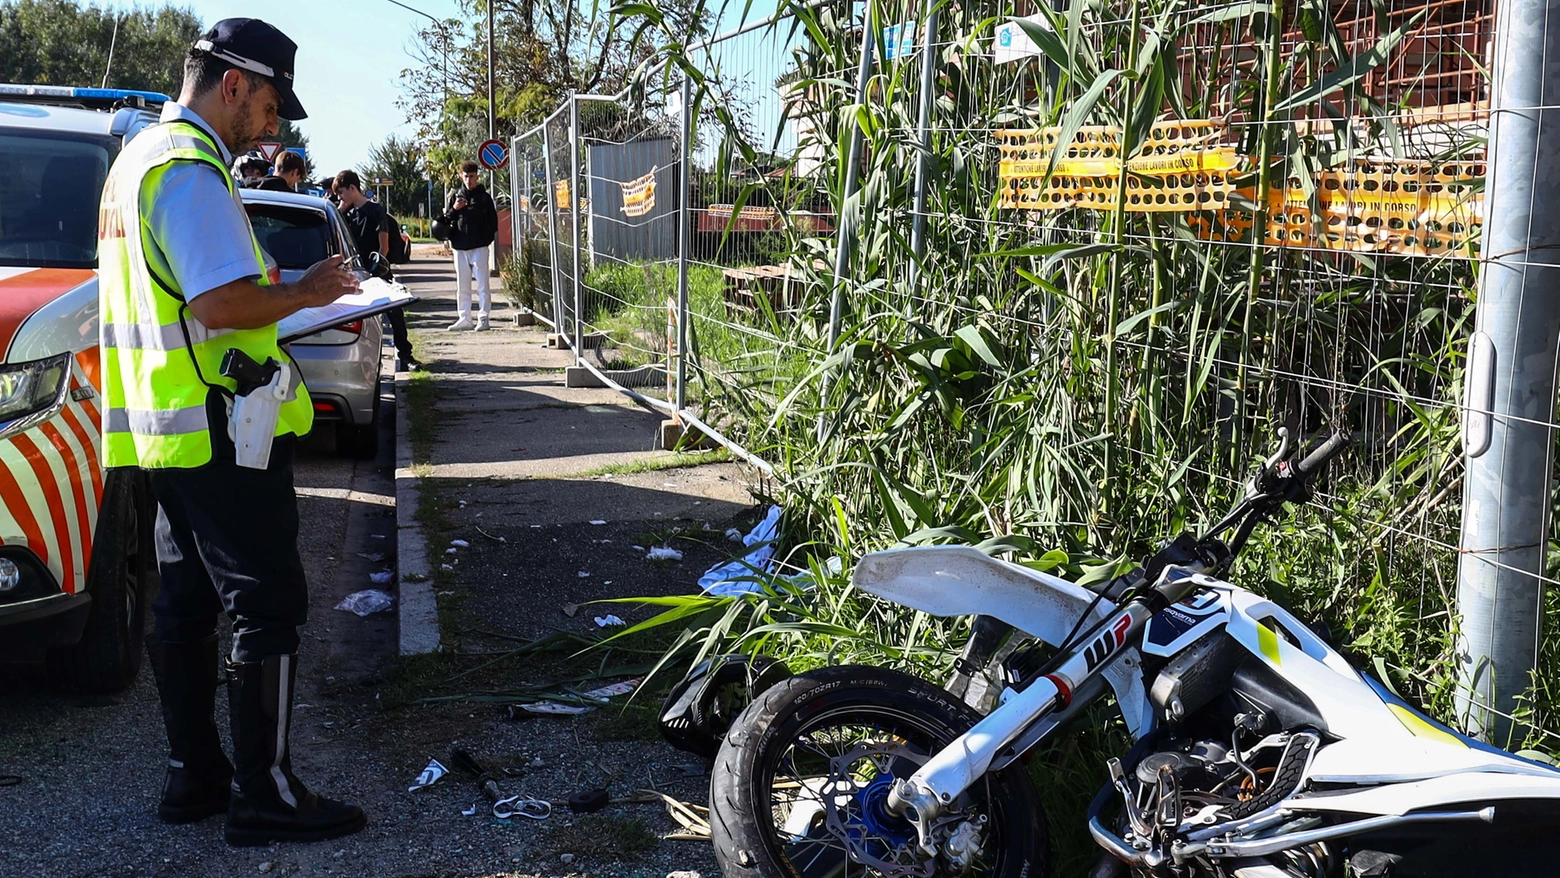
962,581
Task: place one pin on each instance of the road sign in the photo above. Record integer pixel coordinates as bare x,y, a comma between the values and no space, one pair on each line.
493,154
303,153
269,151
898,40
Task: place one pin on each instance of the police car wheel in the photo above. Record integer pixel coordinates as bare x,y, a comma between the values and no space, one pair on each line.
121,582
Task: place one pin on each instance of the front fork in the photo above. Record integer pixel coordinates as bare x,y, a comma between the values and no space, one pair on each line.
922,797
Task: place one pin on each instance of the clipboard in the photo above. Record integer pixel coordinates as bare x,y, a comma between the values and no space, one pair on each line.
373,297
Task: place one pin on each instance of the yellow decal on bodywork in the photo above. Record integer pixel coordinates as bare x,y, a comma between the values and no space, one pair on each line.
1417,725
1267,641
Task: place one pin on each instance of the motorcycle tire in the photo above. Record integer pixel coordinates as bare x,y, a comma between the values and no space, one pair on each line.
758,832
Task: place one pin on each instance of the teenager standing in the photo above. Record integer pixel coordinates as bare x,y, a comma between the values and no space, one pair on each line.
473,223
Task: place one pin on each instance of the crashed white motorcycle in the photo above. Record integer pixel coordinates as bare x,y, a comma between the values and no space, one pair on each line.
1260,752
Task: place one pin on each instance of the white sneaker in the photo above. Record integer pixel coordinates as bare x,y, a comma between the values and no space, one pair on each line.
482,324
462,323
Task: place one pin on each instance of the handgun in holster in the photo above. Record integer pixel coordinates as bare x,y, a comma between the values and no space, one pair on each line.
257,405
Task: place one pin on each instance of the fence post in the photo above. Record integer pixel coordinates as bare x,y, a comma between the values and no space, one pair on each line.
1507,425
923,162
551,194
684,239
574,211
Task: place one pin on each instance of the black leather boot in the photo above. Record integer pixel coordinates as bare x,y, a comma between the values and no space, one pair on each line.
198,773
268,801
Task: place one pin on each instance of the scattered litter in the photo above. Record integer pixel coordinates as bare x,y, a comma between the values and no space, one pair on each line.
265,866
684,873
429,776
371,556
536,525
589,801
522,806
611,689
366,602
584,574
381,577
664,553
566,859
460,544
738,577
451,551
609,620
462,504
447,591
598,521
472,811
669,484
446,567
570,610
606,582
377,536
639,548
488,535
698,502
555,709
734,535
538,762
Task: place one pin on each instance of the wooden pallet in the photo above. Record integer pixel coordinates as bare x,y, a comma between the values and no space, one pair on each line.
742,287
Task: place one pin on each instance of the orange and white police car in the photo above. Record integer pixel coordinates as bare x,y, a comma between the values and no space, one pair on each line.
77,564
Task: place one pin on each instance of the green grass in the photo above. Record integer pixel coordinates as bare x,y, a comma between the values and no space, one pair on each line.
682,460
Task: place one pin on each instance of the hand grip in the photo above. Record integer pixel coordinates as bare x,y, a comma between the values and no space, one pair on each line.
1317,459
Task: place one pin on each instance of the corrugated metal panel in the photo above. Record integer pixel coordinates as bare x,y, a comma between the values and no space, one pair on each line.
613,169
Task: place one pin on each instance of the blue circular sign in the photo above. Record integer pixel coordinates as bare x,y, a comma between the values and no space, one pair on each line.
493,154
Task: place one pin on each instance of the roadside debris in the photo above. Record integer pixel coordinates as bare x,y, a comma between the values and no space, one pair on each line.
429,776
367,602
663,553
566,701
460,544
571,610
609,621
598,521
745,574
381,577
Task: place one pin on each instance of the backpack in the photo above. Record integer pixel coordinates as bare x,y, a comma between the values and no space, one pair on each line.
399,251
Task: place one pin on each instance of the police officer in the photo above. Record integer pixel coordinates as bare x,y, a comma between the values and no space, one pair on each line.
183,285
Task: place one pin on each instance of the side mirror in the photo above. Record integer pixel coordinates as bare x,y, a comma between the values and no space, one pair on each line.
375,265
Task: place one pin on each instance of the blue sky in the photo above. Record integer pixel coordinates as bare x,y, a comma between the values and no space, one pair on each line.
350,55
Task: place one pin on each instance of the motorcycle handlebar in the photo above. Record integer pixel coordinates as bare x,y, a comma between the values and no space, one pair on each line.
1318,458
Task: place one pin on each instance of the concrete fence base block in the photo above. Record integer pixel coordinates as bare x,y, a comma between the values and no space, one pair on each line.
558,342
579,376
525,318
692,439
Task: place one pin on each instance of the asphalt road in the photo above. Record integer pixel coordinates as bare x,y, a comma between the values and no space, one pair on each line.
92,766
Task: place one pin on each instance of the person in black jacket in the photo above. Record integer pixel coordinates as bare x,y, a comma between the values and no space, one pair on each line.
290,168
472,221
371,228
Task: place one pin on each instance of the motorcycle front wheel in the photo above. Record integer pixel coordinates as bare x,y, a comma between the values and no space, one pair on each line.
799,787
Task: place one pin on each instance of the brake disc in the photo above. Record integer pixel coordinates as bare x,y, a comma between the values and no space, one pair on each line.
855,812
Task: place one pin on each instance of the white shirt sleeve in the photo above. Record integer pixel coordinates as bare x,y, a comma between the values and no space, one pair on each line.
201,233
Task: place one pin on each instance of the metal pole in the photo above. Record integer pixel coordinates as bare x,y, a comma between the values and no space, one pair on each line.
1507,433
574,212
683,240
491,108
923,162
552,231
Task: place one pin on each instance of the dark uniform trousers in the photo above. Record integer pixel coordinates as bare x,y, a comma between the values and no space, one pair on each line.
227,542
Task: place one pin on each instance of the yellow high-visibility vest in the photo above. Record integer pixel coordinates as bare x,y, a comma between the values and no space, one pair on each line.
157,358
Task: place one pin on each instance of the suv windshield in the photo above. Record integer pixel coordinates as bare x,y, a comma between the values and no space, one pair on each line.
50,185
295,237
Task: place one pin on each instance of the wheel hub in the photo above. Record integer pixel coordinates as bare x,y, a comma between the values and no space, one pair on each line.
856,811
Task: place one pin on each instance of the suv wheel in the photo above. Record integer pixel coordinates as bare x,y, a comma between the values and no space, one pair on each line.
121,581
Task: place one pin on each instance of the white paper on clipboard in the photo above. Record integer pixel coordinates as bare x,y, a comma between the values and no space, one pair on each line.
373,296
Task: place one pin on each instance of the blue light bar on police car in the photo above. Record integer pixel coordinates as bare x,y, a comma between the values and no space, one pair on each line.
18,91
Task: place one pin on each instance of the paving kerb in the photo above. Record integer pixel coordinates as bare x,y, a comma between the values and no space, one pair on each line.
418,610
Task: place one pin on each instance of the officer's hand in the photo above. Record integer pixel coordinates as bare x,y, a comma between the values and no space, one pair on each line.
327,280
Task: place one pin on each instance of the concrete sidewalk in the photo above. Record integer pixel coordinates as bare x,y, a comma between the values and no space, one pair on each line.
491,418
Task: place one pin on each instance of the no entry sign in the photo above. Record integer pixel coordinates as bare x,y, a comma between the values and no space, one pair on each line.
493,154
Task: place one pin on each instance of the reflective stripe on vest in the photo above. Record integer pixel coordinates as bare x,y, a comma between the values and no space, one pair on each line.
157,357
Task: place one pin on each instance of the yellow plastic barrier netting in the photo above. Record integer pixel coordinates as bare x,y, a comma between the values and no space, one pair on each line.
561,194
639,195
1181,167
1408,208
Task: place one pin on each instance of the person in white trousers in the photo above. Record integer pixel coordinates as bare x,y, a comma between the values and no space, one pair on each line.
472,223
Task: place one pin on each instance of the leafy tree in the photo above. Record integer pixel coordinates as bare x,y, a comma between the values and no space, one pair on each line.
397,159
60,42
